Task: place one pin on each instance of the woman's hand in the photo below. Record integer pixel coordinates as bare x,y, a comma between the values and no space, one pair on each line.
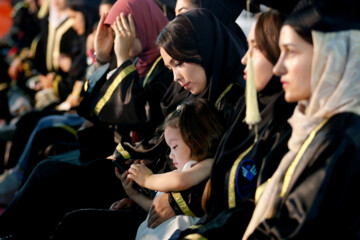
15,68
126,183
123,203
124,37
160,211
104,41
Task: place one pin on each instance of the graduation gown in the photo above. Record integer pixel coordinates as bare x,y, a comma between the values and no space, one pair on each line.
45,50
321,200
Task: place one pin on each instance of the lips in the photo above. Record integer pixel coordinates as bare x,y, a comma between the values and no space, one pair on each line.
186,85
284,84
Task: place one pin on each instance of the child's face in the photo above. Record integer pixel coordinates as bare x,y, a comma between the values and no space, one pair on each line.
180,152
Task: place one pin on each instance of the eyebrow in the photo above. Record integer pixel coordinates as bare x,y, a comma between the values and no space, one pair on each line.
182,8
288,45
171,63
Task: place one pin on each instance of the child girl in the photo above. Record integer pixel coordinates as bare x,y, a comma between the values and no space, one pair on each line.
192,132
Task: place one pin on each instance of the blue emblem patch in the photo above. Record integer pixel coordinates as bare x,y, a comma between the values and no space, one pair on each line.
245,179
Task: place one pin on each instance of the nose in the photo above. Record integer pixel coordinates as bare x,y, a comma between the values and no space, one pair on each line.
244,58
279,68
176,76
171,156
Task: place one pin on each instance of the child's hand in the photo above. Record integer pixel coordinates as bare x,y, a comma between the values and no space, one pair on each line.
139,173
126,183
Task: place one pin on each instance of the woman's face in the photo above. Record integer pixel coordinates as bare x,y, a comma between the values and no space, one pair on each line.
183,6
180,152
104,8
190,76
294,65
262,67
78,21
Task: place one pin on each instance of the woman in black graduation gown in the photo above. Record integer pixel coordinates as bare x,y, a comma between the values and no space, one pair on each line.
240,156
311,195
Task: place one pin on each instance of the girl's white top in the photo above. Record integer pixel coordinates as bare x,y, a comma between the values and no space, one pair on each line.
167,228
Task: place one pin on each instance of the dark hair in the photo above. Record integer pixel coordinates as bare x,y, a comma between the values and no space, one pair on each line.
267,31
89,13
195,3
200,126
303,19
179,41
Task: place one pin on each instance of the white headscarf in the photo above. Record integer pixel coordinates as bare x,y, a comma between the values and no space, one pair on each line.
55,19
335,85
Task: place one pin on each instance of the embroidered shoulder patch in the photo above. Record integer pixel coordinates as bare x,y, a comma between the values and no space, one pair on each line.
245,180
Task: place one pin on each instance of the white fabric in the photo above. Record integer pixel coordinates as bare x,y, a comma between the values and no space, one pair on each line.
335,88
54,17
167,228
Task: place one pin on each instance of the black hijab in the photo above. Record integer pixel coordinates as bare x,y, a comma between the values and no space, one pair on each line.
227,12
220,52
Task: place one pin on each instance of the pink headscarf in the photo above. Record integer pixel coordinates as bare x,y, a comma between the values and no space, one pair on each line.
149,21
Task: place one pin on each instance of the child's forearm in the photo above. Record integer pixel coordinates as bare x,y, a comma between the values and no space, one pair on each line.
179,181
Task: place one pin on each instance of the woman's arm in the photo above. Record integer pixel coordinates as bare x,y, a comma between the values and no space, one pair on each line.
136,196
170,181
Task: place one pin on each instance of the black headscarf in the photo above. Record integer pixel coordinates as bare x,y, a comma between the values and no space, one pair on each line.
227,12
90,10
320,15
220,52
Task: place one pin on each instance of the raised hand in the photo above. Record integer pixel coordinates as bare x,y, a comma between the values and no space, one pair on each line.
124,37
104,41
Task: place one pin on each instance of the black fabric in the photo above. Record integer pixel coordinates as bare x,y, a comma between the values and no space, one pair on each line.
72,45
90,10
329,167
229,224
321,15
132,107
25,26
220,52
228,12
40,204
274,112
5,79
100,224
